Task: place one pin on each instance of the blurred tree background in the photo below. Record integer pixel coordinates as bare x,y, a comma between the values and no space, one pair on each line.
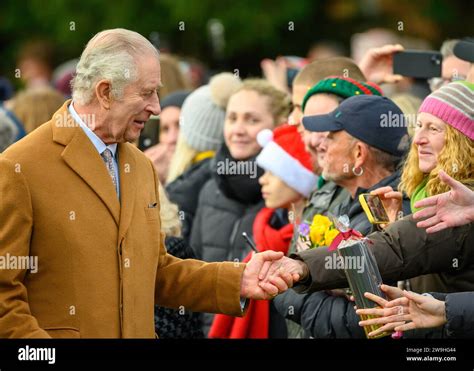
225,34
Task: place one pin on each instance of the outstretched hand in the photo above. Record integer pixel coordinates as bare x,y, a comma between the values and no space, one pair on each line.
449,209
386,315
422,312
404,313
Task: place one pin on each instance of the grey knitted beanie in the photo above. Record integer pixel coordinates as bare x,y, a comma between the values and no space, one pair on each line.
203,112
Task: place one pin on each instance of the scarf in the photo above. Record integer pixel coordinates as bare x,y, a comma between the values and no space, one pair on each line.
255,324
234,179
418,194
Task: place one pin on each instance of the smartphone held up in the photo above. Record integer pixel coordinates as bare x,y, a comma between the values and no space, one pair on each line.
374,209
419,64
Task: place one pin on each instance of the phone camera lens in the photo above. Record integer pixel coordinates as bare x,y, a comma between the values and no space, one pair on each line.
436,60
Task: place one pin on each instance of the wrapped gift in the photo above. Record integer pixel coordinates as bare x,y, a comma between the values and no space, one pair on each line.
360,267
362,274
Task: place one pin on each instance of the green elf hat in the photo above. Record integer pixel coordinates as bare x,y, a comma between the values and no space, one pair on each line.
343,87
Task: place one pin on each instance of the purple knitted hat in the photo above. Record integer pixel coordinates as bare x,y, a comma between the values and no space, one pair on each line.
454,104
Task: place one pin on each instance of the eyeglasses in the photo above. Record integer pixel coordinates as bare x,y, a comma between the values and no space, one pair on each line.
437,82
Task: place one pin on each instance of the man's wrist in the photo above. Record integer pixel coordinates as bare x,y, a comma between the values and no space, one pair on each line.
442,312
304,275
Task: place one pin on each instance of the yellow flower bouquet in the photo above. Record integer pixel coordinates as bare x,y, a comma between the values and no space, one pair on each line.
321,232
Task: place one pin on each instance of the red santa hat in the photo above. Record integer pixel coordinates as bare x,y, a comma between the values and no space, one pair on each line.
284,155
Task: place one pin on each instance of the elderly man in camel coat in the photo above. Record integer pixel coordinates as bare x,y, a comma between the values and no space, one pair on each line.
79,197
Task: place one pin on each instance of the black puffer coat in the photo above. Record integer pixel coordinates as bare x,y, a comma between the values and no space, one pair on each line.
228,204
227,207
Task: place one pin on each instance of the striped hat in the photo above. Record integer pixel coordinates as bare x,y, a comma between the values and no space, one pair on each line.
343,87
454,104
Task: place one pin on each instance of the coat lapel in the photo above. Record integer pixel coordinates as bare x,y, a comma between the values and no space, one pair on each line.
82,157
128,178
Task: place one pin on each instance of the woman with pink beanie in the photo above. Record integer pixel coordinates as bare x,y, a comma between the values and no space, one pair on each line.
443,141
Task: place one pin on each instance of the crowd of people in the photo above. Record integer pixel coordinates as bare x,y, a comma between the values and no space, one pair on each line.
217,158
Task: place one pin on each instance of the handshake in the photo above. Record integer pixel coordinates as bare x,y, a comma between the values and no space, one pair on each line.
270,273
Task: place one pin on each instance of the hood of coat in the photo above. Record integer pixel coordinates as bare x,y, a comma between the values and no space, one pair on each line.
237,179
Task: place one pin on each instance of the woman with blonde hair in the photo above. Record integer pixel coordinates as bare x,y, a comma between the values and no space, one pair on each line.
455,157
443,141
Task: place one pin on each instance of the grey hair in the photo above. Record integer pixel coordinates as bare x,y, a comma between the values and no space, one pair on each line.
386,160
447,48
383,159
110,55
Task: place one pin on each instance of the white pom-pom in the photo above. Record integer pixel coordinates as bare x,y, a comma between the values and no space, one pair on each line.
264,137
222,86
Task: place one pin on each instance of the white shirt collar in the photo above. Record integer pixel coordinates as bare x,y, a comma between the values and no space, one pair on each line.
96,141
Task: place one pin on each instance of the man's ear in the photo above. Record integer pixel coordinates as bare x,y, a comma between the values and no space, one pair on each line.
361,153
104,93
